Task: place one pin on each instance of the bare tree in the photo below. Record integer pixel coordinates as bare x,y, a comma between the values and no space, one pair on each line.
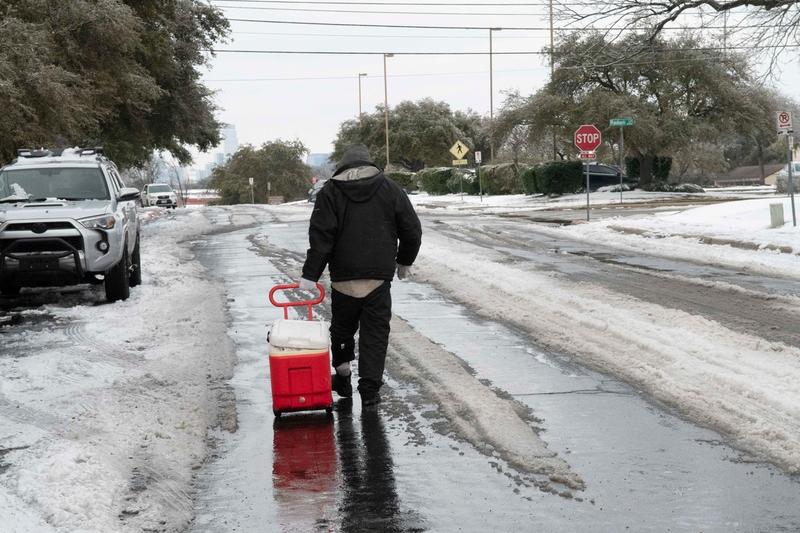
765,27
143,174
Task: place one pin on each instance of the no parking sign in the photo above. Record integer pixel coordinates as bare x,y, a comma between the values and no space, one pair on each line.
784,121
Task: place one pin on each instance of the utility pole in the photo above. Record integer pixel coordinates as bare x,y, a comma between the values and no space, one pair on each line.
360,75
552,71
386,106
491,95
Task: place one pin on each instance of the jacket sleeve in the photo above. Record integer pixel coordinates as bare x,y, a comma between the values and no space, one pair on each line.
409,230
322,232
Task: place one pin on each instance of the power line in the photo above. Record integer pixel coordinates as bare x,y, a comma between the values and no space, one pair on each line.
483,53
370,12
403,26
481,28
434,4
381,36
368,53
467,73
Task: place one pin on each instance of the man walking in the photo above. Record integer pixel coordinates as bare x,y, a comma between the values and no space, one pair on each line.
358,219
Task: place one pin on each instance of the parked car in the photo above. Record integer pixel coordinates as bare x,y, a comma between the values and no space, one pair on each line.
66,218
601,175
159,194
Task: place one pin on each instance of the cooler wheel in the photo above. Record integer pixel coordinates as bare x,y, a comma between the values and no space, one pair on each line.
277,414
329,410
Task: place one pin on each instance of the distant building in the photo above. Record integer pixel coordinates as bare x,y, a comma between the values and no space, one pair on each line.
230,141
319,160
749,175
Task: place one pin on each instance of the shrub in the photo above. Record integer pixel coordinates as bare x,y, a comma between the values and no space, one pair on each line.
559,177
662,165
435,180
529,184
501,179
407,180
466,178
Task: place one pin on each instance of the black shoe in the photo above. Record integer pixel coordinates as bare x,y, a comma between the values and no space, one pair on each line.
369,399
341,385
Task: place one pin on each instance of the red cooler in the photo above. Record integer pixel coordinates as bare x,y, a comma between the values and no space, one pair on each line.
299,358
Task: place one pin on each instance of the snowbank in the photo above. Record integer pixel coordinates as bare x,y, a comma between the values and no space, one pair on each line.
112,401
741,385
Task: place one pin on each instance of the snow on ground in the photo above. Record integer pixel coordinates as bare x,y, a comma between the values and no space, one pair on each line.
481,416
681,234
519,202
699,233
741,385
108,405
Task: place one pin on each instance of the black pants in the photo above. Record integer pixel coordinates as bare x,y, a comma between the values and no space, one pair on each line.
370,316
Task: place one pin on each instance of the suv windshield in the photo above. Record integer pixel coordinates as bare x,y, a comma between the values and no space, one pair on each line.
83,183
159,188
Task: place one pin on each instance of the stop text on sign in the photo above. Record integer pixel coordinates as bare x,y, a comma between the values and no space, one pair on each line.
587,138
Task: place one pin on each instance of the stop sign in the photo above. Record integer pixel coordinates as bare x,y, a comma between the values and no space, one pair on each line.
587,138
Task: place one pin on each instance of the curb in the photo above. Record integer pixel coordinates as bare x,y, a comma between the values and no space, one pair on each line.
704,239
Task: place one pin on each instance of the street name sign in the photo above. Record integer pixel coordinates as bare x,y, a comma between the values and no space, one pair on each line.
784,122
620,122
459,150
587,138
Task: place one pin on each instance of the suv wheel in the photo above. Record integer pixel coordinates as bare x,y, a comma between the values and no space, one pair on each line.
136,265
9,289
117,279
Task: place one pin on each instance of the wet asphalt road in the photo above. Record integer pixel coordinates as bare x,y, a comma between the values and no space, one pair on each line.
399,468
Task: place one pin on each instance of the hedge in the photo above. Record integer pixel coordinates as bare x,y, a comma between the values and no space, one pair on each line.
435,180
407,180
662,165
559,177
501,179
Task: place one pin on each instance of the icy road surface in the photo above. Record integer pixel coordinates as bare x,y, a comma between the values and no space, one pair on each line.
154,414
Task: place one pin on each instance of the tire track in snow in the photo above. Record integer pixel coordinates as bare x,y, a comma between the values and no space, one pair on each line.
740,385
480,416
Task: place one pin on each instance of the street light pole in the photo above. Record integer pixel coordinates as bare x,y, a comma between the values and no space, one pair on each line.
491,94
386,106
360,75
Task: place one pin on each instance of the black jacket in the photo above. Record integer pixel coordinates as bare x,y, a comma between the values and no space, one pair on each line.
355,228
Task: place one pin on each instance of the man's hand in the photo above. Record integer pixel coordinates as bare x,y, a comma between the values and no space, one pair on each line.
403,271
307,285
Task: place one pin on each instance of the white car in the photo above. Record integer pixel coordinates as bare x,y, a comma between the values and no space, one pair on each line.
159,194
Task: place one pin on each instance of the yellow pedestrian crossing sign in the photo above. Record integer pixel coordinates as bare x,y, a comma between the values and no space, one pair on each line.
459,150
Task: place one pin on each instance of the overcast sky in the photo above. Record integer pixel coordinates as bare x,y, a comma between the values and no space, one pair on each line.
276,96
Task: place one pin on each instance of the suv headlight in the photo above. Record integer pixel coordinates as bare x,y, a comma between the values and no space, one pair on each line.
101,222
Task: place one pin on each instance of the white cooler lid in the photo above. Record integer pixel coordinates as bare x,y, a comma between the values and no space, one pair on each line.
303,334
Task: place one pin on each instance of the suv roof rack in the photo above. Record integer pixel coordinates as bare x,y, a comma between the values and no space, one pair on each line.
31,152
96,150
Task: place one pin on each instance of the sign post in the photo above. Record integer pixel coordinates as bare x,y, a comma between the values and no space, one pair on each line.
587,139
621,122
459,151
478,159
784,125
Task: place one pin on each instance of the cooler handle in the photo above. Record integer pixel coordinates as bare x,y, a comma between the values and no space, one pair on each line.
302,303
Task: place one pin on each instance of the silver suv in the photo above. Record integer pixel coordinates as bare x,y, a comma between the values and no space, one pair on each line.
66,218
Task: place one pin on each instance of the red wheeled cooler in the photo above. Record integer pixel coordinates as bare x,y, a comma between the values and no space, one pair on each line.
299,358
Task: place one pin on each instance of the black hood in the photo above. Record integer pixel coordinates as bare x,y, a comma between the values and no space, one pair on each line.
360,190
355,156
